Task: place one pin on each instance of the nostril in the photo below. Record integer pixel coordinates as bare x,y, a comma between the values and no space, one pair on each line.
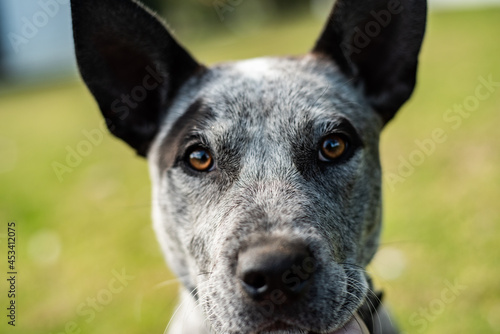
255,282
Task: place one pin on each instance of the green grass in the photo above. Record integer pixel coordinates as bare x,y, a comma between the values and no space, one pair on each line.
441,223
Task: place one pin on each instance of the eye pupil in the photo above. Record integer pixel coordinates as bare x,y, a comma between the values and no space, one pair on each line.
200,159
332,148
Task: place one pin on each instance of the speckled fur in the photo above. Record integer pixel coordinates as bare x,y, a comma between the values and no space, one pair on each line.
259,130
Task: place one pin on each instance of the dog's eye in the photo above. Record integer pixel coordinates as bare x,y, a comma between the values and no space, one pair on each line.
200,159
332,148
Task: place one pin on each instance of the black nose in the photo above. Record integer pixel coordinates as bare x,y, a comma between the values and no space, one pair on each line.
275,269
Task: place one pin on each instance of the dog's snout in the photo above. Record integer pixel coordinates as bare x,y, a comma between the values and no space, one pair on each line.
277,270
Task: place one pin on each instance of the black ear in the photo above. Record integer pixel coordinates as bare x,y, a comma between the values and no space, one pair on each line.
131,64
376,43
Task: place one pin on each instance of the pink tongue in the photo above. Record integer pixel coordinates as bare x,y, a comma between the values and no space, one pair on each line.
354,326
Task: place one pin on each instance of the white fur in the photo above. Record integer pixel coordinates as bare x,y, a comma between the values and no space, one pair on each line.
256,68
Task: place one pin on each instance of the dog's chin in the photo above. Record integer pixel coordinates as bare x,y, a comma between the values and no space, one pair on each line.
353,326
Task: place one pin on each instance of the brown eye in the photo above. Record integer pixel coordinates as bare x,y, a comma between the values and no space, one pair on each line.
200,159
332,147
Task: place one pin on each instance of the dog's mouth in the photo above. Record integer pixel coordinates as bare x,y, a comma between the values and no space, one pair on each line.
353,326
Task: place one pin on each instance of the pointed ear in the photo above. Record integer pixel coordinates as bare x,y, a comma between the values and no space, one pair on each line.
131,64
376,43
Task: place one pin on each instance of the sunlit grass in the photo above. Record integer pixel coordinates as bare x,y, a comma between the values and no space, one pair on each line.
442,222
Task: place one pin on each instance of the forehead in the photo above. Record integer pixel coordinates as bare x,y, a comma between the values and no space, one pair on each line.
278,88
270,96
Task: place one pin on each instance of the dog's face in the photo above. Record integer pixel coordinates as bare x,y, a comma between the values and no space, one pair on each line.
263,124
266,175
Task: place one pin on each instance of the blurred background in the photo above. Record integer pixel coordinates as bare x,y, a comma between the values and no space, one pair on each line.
83,228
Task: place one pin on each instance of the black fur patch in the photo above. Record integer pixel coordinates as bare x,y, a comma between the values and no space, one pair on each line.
171,145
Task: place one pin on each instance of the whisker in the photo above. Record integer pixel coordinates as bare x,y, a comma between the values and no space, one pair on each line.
175,313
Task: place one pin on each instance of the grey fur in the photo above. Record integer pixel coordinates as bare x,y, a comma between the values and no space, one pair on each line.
259,123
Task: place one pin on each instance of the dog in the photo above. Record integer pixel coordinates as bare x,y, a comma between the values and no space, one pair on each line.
265,172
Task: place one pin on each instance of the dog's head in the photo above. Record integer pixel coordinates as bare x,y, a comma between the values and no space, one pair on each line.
266,174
